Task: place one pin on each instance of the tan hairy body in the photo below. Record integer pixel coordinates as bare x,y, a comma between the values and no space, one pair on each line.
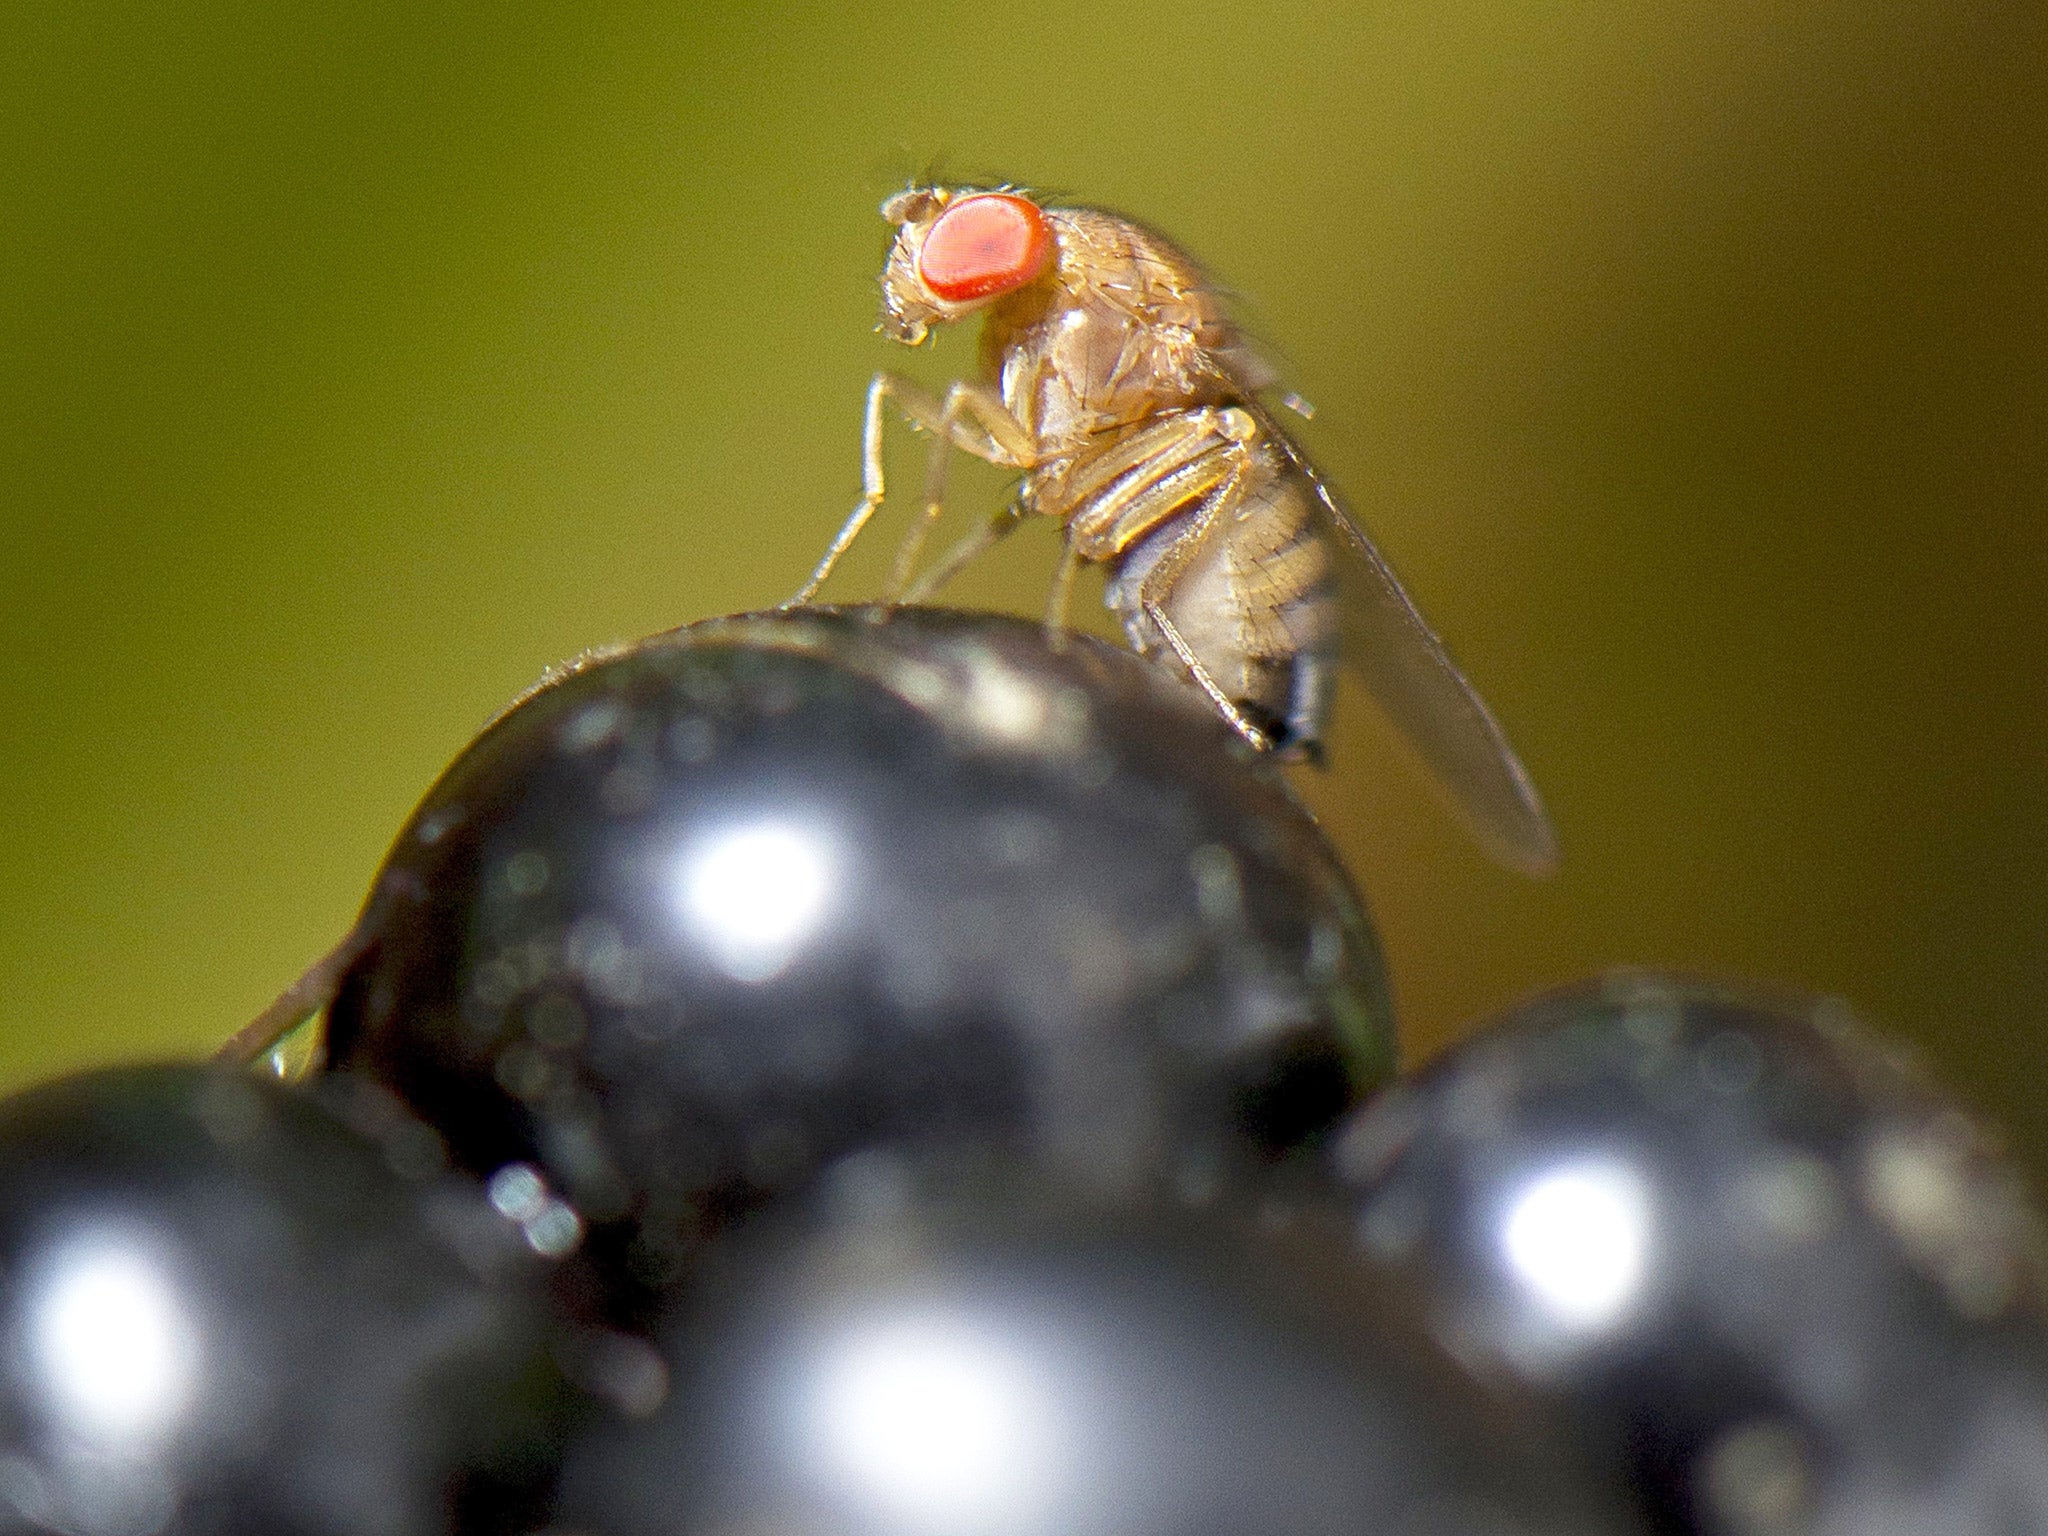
1117,386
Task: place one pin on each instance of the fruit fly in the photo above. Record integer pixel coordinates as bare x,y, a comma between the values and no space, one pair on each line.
1118,387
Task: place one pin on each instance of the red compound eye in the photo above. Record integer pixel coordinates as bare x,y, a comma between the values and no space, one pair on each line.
984,245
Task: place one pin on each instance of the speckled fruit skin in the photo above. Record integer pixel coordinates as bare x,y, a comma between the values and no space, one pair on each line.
935,1345
226,1310
700,915
1747,1255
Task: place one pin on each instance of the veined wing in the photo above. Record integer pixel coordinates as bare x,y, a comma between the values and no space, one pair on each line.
1387,644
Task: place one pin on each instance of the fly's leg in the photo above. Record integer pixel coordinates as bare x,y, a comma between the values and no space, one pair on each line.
999,439
1189,467
871,490
1153,477
936,466
1060,597
969,408
962,554
1158,582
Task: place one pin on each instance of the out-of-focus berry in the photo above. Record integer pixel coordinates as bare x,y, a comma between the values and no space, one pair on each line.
951,1349
221,1311
1751,1260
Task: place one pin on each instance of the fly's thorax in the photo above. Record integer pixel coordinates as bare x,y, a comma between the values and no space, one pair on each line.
1080,368
1124,329
1123,265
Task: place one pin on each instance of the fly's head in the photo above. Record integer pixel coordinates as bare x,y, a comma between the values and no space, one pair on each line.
957,250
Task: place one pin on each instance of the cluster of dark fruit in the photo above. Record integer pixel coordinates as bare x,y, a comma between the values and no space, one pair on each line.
838,1074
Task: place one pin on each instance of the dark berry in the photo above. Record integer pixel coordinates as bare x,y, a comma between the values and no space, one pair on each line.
1747,1255
958,1350
705,913
221,1311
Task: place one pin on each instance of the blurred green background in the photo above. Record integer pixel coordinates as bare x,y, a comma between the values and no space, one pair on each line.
1688,359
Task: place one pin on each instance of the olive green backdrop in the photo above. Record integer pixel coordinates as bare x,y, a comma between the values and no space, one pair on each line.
1689,359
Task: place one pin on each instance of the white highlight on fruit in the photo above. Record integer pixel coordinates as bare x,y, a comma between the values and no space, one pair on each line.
932,1423
754,893
1578,1237
116,1353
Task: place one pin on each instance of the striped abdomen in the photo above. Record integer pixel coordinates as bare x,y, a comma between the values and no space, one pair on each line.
1199,514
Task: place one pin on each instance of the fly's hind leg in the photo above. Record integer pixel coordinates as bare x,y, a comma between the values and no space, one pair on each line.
1210,514
977,423
1060,597
1199,468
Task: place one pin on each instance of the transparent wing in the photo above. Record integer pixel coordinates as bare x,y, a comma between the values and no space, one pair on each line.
1393,651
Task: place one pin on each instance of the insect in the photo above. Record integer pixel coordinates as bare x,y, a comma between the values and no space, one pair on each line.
1117,386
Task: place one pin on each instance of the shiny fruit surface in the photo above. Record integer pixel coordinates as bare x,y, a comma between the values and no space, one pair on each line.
226,1311
703,914
1750,1258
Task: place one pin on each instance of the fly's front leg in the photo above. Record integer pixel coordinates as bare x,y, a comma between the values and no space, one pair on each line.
973,420
993,435
880,387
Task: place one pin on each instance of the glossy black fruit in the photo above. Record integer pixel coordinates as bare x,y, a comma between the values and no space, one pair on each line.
921,1349
1749,1258
703,914
223,1312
